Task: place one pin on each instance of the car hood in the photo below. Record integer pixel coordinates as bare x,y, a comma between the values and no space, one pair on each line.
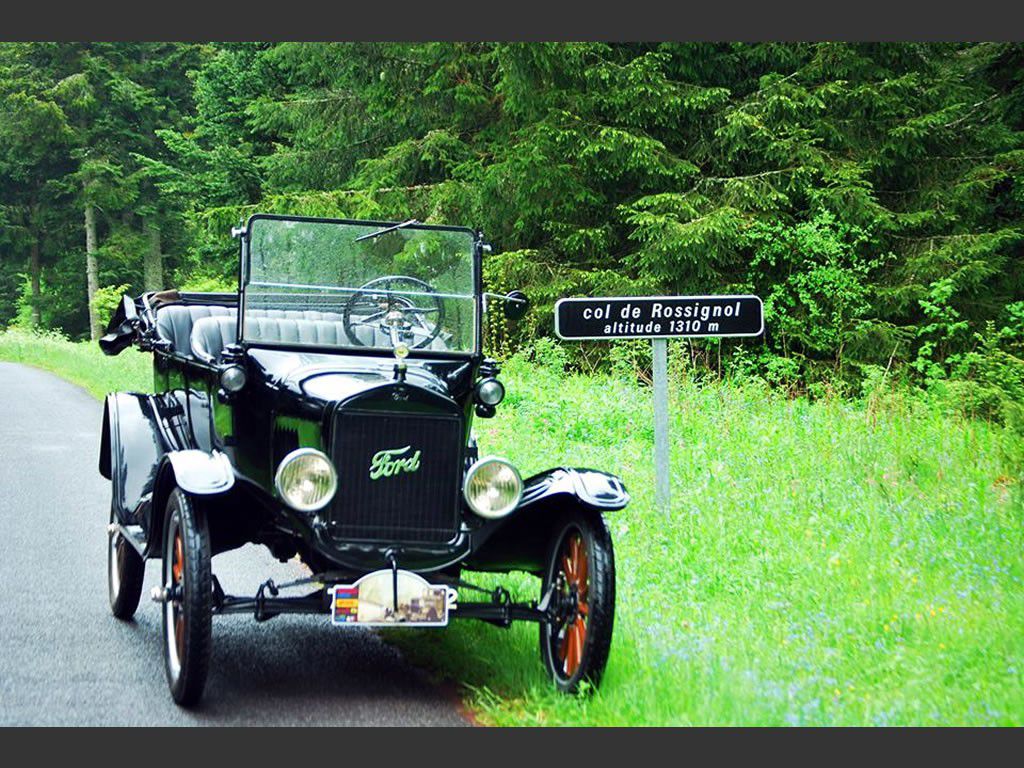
337,377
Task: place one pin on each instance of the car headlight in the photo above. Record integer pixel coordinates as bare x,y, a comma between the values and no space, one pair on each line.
490,392
493,487
306,479
233,378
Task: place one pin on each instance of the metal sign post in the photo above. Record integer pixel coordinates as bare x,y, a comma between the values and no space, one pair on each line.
662,465
659,318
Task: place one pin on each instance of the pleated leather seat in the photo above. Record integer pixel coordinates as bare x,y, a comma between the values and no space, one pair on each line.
174,322
211,334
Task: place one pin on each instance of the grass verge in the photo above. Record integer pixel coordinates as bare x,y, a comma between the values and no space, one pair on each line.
82,363
825,563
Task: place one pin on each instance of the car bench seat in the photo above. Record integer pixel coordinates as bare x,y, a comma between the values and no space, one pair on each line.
211,334
326,329
174,322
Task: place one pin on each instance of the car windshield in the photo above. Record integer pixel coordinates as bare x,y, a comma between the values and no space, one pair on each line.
359,285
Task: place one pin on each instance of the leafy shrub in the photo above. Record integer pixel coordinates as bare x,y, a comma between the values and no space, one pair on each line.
988,381
821,287
106,301
209,284
548,354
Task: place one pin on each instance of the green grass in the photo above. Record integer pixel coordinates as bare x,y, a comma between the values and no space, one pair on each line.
82,364
824,563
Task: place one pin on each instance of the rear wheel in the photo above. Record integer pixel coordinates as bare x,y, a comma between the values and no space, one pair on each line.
581,565
188,604
125,569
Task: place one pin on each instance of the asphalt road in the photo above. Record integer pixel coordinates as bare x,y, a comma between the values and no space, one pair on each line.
64,660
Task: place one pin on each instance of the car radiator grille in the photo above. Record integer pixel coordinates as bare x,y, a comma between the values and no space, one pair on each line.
413,500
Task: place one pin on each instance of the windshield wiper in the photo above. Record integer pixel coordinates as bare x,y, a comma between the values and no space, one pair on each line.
385,230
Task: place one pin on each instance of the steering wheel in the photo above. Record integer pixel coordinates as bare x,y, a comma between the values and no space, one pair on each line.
376,304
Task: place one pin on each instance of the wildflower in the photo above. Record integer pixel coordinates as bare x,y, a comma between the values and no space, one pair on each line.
942,646
886,627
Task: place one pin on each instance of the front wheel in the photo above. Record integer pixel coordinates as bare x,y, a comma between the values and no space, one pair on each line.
188,598
580,565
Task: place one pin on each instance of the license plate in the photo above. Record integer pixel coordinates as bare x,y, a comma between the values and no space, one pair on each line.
378,599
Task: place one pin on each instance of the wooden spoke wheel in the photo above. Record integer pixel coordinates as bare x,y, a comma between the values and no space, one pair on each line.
188,598
580,574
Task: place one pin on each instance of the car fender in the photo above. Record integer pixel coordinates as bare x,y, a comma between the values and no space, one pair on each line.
520,540
590,487
131,445
137,457
194,471
201,473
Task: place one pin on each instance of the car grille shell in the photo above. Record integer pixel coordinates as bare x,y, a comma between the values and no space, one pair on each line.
420,506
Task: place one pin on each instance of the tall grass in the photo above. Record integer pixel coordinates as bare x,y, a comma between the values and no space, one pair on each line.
823,563
82,363
827,563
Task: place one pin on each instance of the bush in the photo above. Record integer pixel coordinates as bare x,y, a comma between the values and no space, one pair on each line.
988,381
106,301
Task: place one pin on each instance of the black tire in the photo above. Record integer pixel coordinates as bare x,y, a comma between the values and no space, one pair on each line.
125,570
571,661
188,609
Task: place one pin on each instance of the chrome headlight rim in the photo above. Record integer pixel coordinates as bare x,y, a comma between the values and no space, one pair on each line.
291,457
489,384
233,378
508,508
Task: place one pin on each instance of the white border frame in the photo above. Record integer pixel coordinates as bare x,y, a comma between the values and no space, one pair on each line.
558,331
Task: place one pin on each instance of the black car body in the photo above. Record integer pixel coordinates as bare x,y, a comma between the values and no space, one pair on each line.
256,390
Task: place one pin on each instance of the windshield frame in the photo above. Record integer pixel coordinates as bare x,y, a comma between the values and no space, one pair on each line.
478,306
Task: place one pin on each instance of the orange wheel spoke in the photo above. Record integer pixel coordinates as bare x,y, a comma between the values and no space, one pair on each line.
563,647
179,558
567,568
575,647
582,608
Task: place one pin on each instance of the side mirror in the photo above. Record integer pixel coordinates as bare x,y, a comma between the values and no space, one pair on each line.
516,305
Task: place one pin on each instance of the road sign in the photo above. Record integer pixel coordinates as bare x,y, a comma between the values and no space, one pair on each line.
659,318
653,317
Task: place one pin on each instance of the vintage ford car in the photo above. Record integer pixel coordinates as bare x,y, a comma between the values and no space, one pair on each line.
325,411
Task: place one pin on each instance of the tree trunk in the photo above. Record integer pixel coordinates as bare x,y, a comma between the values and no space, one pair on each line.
92,277
34,276
153,263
